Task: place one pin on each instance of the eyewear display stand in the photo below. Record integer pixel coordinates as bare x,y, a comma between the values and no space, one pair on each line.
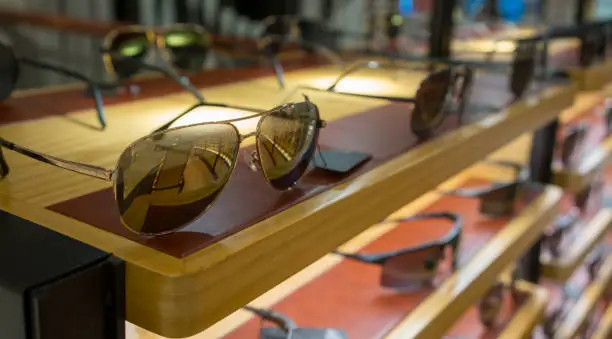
581,311
488,246
604,328
595,230
514,323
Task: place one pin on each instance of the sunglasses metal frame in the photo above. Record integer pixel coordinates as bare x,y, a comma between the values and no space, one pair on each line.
452,239
154,38
110,175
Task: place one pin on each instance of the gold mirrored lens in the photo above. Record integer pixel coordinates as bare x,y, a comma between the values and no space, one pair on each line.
286,142
165,181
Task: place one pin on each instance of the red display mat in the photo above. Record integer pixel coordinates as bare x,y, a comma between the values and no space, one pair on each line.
349,297
382,132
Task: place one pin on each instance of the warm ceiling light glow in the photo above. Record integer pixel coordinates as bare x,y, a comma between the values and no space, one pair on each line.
213,114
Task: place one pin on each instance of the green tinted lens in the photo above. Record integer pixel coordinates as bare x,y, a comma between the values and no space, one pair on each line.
286,142
165,181
127,50
188,48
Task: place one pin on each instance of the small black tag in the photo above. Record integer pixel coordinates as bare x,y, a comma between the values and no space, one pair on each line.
339,161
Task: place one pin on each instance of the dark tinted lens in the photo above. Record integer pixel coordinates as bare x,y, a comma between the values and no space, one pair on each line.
490,305
165,181
523,67
500,200
9,71
188,47
286,142
412,270
128,50
281,26
431,98
582,198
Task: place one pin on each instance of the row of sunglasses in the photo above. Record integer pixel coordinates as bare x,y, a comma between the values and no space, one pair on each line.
414,268
187,167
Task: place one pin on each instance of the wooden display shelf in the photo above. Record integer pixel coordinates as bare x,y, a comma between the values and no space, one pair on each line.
179,297
586,172
529,315
578,315
561,269
593,77
434,316
604,328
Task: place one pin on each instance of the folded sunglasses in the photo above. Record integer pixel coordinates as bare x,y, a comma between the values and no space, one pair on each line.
444,91
415,267
285,328
491,304
185,47
572,147
167,179
499,198
562,227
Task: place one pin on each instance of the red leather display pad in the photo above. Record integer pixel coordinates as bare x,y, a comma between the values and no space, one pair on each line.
349,297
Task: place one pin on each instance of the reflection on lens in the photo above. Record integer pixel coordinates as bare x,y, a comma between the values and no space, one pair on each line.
165,181
9,71
127,51
413,270
188,48
428,112
286,142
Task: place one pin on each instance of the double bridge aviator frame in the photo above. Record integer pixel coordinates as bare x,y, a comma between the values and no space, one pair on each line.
148,169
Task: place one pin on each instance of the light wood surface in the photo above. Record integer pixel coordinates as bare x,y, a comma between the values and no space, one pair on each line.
580,312
529,315
562,268
594,77
604,328
178,298
433,317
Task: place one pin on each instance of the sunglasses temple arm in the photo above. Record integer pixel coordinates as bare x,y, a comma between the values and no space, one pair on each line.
277,318
279,71
181,80
364,258
90,170
94,87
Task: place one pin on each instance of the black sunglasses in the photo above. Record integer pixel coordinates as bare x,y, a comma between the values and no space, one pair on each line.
285,328
444,91
499,198
561,228
11,65
572,147
491,303
183,47
416,266
284,30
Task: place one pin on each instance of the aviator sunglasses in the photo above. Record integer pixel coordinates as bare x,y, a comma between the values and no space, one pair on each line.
285,328
491,304
444,91
562,227
167,179
10,70
185,47
415,267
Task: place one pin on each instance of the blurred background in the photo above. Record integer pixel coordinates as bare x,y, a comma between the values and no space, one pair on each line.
349,23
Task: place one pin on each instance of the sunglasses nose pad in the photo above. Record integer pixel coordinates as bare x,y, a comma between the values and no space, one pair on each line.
253,161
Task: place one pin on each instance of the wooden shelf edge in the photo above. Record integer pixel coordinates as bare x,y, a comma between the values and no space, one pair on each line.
584,104
561,269
588,170
529,315
604,328
435,315
579,314
593,77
